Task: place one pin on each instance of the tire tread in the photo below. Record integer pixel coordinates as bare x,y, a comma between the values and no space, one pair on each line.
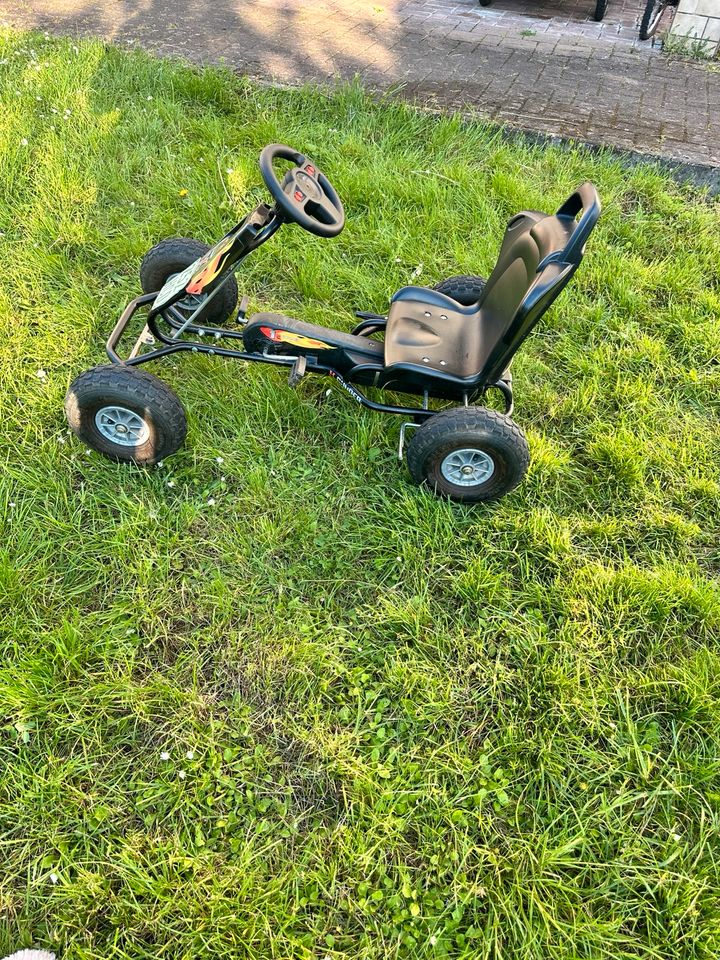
447,424
465,288
143,388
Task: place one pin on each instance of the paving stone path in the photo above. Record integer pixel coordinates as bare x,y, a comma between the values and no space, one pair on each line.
544,67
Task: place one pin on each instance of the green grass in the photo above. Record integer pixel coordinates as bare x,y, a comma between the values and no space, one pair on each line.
414,730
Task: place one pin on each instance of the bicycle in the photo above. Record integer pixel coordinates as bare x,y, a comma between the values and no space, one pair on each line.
654,10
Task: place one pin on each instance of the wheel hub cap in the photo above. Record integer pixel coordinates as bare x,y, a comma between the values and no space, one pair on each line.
123,426
467,467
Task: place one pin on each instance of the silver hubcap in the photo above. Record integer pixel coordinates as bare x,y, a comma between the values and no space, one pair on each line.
467,467
122,426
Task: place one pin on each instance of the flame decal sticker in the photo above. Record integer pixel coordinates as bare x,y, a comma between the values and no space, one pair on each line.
211,269
294,339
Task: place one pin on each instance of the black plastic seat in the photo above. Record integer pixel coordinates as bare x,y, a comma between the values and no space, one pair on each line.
427,328
429,333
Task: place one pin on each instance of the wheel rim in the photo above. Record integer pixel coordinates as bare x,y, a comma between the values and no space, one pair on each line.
467,467
190,303
655,17
122,426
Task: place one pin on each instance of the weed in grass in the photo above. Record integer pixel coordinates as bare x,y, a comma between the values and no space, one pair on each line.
271,700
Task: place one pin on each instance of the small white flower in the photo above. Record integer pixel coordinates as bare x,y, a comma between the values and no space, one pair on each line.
171,483
54,878
433,940
160,463
229,170
201,159
190,754
219,460
150,97
12,504
61,439
24,142
211,501
164,755
182,774
41,374
676,837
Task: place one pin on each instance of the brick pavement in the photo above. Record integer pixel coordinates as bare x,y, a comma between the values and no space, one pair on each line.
546,68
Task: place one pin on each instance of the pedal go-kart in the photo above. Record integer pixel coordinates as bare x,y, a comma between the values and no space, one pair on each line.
452,342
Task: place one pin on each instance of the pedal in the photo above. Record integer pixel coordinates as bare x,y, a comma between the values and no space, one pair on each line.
299,368
242,309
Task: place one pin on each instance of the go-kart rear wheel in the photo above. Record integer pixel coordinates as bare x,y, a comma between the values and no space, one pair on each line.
125,414
469,454
466,289
174,255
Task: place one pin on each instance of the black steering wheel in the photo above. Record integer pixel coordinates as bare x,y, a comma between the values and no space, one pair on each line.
304,195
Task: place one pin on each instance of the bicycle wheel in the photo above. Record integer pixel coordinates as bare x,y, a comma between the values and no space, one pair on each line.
654,10
600,9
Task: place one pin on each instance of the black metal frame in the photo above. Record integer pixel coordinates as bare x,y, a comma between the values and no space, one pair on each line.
172,345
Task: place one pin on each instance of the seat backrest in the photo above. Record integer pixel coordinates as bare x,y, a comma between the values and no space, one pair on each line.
538,256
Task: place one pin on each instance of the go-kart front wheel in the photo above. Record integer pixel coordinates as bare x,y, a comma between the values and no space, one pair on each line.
125,414
469,454
170,257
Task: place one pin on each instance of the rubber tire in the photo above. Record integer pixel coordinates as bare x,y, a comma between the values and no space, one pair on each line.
140,392
646,18
488,430
600,9
465,289
175,254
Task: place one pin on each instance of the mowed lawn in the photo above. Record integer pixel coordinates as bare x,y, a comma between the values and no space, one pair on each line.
271,700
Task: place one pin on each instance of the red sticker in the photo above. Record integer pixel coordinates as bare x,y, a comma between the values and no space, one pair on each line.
310,169
299,195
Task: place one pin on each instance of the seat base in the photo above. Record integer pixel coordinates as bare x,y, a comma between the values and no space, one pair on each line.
427,330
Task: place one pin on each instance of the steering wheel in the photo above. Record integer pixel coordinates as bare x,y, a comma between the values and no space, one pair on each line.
304,195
